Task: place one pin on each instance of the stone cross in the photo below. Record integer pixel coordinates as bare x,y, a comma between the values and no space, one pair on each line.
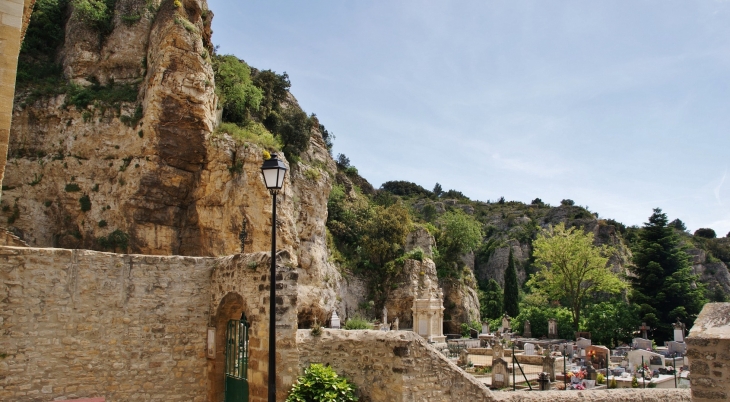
643,328
385,315
527,333
505,323
552,328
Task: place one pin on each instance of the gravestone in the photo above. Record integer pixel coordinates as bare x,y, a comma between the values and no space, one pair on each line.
680,348
644,328
678,331
527,333
641,343
500,374
553,328
548,366
497,351
485,328
529,349
385,315
335,321
506,323
583,343
395,324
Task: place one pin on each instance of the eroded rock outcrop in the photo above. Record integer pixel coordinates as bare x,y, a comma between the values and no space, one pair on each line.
166,184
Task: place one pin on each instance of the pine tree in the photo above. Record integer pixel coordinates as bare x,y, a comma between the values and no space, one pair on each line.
490,300
511,288
664,287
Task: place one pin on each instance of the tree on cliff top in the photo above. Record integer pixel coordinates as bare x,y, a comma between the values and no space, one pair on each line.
511,288
239,97
571,268
459,233
663,284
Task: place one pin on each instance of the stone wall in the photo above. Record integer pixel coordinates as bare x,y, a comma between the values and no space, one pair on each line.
612,395
79,323
708,350
390,366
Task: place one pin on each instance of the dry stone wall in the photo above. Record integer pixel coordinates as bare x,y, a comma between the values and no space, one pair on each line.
708,349
79,323
390,366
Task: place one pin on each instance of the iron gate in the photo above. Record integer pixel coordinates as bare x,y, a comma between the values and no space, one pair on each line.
237,360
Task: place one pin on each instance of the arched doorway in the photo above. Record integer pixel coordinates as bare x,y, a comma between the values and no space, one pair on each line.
228,336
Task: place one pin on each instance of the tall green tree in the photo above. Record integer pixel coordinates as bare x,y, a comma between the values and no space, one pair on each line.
490,300
238,95
511,300
571,268
384,233
664,287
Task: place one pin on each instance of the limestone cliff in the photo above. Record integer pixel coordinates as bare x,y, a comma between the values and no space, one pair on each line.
152,177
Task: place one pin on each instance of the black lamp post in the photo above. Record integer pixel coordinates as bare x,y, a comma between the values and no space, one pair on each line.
273,171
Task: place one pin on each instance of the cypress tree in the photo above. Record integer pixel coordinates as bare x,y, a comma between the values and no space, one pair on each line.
664,287
511,288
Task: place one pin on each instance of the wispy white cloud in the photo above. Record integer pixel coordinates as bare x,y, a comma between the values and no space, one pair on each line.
719,186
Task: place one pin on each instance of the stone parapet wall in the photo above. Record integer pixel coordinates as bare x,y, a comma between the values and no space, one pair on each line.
79,324
390,366
612,395
708,350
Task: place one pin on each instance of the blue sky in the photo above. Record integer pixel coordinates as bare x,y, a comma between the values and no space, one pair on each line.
622,106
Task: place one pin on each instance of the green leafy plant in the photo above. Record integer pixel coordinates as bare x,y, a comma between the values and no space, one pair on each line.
115,240
358,322
600,379
85,202
321,383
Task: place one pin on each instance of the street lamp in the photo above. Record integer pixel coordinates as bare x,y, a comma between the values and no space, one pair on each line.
273,171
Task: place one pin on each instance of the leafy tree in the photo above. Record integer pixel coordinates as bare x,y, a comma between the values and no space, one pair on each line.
501,201
437,190
343,162
567,202
274,88
239,97
459,233
537,201
664,287
384,233
327,137
707,233
490,300
511,288
293,128
539,316
96,14
611,323
454,194
404,188
678,224
570,267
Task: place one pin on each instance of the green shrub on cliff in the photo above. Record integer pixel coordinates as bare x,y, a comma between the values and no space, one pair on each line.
233,85
252,132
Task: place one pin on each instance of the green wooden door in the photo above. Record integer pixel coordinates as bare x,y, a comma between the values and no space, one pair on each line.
237,360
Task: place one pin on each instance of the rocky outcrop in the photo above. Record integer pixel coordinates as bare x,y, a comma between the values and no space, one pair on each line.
420,239
417,279
461,301
166,185
714,274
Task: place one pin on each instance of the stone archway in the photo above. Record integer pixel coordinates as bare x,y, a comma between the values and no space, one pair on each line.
230,307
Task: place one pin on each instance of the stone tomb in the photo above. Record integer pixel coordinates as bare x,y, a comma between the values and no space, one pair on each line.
500,373
641,343
529,349
581,344
654,360
428,318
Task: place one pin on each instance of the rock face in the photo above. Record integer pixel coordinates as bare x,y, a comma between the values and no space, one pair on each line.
167,185
715,274
416,279
420,238
461,302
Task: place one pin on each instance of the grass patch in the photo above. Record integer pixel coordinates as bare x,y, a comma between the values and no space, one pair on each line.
253,133
103,96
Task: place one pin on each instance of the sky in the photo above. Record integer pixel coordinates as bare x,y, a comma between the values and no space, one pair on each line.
621,106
